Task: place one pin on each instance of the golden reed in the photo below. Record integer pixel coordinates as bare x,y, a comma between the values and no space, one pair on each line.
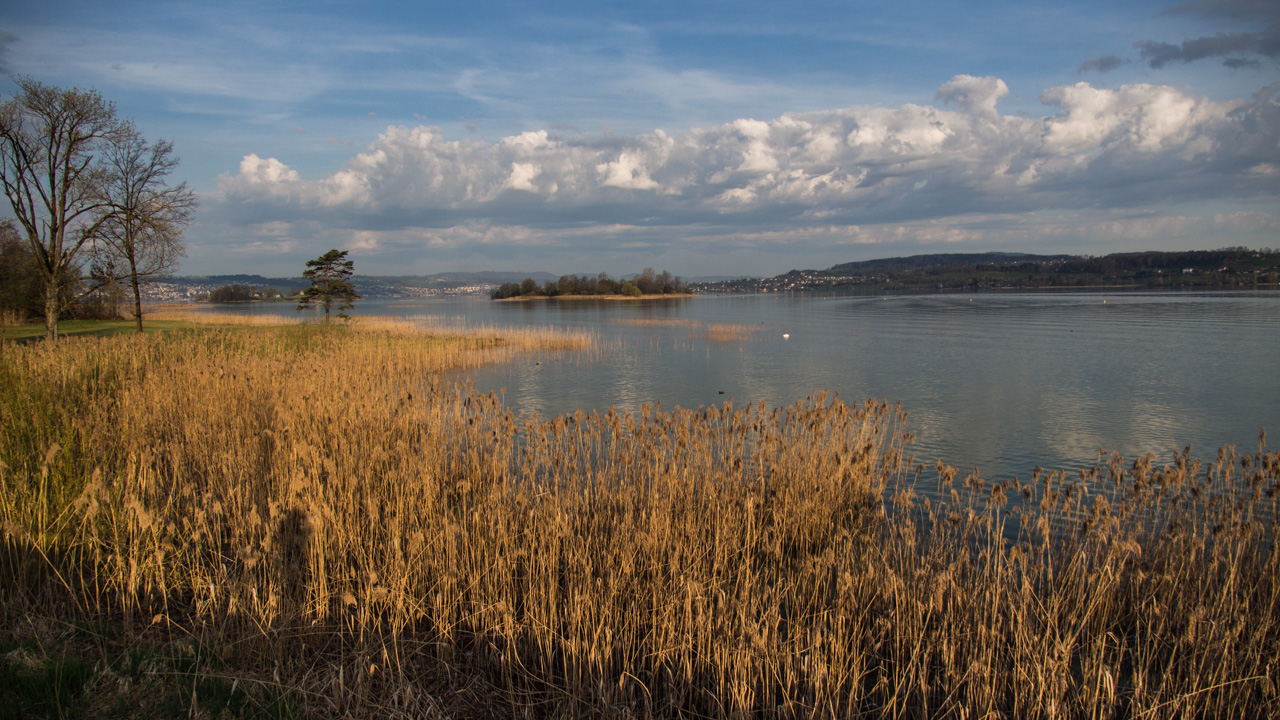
323,509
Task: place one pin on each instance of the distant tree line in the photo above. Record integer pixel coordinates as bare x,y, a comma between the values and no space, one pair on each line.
1224,267
22,287
239,293
646,283
1117,263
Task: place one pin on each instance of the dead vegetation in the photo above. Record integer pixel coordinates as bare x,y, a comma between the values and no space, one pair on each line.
318,513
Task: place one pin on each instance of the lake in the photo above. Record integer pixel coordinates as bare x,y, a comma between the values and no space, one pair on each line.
998,382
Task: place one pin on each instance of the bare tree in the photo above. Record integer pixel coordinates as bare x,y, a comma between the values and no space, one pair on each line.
141,233
48,141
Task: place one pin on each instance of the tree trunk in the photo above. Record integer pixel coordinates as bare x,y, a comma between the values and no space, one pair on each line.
328,297
137,298
51,310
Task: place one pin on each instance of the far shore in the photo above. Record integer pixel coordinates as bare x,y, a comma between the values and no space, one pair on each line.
596,297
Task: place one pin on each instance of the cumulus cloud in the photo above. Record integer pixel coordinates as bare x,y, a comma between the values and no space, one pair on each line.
977,95
1102,147
1097,165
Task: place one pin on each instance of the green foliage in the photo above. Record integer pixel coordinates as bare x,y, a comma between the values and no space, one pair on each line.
646,283
223,698
22,289
235,293
31,686
330,276
47,679
21,292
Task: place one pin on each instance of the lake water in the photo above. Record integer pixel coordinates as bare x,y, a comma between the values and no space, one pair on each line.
1000,382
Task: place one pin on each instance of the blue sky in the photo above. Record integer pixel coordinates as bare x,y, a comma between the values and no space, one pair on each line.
702,137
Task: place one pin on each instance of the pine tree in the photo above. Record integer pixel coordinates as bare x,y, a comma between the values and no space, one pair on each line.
330,282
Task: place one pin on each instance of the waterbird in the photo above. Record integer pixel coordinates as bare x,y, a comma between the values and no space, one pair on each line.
786,335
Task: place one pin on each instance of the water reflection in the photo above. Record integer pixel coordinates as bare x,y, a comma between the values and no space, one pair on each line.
999,382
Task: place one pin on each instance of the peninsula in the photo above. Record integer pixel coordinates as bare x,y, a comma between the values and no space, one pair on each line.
1223,268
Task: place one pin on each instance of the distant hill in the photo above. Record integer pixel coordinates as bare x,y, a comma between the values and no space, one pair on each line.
255,280
921,262
1226,267
490,277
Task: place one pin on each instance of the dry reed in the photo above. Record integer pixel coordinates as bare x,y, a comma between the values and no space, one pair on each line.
729,332
316,501
662,321
712,332
209,317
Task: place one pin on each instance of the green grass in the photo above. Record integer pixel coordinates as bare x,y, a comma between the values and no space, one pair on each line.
58,676
33,686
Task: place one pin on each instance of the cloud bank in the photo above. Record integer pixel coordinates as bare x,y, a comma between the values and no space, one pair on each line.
824,176
1238,49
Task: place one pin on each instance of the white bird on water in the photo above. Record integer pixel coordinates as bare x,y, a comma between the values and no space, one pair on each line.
786,335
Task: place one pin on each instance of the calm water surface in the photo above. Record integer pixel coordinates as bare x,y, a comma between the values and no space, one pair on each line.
998,382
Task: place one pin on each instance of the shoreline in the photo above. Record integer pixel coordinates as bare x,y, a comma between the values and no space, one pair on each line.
530,298
856,291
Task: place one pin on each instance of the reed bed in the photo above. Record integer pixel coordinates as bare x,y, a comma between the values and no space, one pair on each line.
316,504
662,321
201,317
712,332
730,332
514,338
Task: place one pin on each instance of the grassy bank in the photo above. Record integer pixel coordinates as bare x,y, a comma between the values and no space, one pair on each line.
28,332
306,521
163,320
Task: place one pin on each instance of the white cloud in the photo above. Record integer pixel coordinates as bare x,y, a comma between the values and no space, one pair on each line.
857,167
977,95
1146,118
255,171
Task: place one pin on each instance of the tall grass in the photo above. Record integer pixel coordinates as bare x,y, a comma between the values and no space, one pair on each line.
712,332
203,317
317,503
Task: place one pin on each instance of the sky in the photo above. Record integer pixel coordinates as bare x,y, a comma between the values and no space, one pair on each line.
703,137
